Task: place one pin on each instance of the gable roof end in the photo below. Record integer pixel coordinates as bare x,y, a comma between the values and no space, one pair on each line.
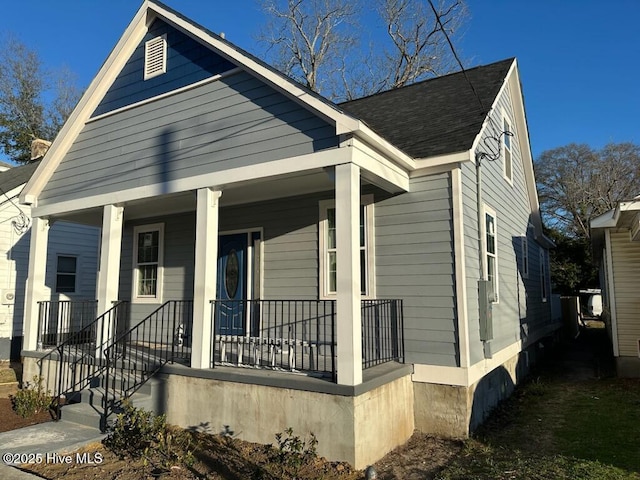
149,11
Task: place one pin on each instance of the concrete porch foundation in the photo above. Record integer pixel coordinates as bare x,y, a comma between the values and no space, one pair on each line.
357,429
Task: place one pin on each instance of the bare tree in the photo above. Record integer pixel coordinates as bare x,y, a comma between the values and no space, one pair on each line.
321,44
419,49
577,183
25,111
306,35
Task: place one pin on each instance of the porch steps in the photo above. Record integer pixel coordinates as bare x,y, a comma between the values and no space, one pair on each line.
87,407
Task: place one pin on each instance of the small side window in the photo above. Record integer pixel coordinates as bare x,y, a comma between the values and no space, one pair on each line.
66,272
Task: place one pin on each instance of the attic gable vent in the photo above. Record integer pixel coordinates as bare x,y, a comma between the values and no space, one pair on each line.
155,57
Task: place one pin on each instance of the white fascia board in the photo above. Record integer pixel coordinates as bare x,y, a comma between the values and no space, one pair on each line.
487,117
401,158
11,195
464,377
448,159
311,161
85,107
605,220
370,160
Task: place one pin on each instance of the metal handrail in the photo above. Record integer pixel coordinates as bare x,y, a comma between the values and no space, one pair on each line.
143,349
80,362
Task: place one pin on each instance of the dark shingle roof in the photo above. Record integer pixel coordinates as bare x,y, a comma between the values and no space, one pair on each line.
436,116
16,176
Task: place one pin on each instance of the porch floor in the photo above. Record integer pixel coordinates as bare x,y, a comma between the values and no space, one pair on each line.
372,377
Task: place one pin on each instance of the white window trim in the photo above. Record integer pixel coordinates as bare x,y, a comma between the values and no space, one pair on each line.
135,298
76,274
485,264
505,118
544,294
370,288
525,256
163,67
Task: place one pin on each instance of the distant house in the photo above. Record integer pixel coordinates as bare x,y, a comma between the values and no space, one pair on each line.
71,263
358,270
616,241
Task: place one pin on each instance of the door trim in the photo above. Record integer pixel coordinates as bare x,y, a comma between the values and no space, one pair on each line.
250,271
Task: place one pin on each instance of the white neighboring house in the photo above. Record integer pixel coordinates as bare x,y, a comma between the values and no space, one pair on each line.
615,236
74,250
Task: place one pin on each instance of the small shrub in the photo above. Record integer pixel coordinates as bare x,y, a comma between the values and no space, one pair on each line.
140,433
293,452
133,431
32,398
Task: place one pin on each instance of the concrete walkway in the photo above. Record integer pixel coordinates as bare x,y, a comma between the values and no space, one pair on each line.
46,439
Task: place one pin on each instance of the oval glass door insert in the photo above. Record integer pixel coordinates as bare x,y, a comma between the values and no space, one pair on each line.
232,274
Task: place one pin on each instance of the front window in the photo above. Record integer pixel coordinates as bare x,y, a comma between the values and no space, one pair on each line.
66,272
329,252
491,253
147,262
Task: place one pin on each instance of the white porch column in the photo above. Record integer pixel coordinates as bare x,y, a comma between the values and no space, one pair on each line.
348,321
204,275
109,275
35,287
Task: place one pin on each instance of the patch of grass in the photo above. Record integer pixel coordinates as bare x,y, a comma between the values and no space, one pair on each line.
482,462
601,423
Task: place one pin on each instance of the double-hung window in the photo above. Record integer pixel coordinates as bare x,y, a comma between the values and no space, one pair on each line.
329,253
147,262
490,246
66,272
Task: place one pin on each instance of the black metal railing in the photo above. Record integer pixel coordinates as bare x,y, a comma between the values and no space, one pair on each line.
292,335
382,332
60,320
137,353
78,361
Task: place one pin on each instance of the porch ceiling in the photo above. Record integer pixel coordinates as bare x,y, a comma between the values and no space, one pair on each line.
301,183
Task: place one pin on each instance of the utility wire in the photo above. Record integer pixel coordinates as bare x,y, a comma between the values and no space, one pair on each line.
453,50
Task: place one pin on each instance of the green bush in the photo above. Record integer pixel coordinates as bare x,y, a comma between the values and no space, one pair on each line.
140,433
293,452
134,431
32,398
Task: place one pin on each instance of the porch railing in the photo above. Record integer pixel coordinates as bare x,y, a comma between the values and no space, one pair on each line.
382,332
137,353
300,335
60,320
78,361
292,335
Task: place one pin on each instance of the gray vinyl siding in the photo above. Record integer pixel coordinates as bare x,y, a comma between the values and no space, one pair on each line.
188,61
290,249
413,248
520,309
414,262
234,122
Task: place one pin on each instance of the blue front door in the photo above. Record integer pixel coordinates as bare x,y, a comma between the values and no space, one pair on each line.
232,284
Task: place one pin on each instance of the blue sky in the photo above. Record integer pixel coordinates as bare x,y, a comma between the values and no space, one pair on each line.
579,59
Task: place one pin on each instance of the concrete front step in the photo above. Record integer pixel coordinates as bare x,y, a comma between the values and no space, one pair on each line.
89,410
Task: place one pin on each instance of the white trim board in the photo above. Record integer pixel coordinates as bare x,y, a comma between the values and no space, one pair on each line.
464,377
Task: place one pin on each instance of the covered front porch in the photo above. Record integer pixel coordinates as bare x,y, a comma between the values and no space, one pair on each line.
243,276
